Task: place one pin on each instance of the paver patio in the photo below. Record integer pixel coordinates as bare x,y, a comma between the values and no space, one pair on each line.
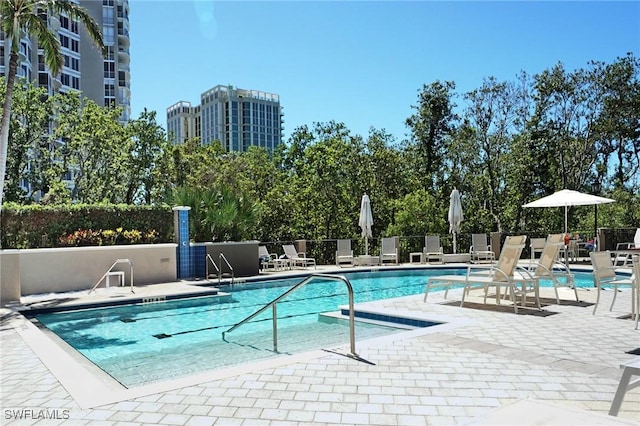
482,359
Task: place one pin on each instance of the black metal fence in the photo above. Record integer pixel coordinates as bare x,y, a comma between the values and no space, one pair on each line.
324,251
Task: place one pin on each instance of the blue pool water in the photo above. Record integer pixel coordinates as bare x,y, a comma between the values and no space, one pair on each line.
143,343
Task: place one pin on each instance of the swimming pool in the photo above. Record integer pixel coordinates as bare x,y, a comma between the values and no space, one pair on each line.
144,343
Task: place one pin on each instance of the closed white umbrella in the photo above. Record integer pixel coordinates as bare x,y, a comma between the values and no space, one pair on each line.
366,221
567,198
455,215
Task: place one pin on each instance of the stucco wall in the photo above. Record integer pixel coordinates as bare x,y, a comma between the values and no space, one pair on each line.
9,276
242,256
79,268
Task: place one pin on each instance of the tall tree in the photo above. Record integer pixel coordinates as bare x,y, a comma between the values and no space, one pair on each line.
19,17
95,149
431,125
563,123
618,125
148,142
29,153
491,114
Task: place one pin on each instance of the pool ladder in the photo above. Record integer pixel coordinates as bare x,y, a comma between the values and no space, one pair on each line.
218,270
273,305
119,274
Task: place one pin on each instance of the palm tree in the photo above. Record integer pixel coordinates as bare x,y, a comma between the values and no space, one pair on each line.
25,17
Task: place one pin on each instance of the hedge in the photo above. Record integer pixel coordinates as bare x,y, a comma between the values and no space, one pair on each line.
38,226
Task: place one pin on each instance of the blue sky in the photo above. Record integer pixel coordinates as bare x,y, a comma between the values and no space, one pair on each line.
361,63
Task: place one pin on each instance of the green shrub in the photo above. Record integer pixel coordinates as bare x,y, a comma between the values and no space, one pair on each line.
37,226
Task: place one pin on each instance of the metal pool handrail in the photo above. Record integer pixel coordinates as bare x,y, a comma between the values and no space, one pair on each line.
109,272
219,269
274,302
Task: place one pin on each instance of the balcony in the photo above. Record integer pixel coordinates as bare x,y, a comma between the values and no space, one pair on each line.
54,23
123,40
56,83
123,57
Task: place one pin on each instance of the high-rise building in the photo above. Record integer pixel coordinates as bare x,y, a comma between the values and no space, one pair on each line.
106,81
238,118
103,79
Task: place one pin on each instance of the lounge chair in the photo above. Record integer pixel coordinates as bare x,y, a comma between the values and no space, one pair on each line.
625,257
537,246
500,274
630,245
344,253
297,258
389,250
479,250
604,274
549,267
270,260
432,249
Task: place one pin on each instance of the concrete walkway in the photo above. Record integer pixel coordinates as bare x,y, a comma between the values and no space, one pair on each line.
463,372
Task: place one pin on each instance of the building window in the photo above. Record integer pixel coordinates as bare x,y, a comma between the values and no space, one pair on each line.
110,53
69,62
108,34
109,69
107,16
109,90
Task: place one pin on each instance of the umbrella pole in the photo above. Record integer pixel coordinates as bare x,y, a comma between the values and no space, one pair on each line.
454,243
366,246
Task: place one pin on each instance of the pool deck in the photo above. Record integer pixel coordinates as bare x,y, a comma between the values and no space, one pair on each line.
484,366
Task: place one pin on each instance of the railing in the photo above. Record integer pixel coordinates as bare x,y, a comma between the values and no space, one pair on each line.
110,272
210,261
274,302
222,257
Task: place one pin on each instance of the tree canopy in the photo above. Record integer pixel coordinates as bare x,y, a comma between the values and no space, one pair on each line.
501,145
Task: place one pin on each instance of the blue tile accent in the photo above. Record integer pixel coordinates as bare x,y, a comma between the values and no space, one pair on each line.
198,264
392,319
183,254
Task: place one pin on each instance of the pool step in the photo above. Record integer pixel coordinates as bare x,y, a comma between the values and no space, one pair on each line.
378,318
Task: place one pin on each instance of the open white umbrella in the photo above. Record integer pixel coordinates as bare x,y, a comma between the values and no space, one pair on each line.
567,198
455,215
366,221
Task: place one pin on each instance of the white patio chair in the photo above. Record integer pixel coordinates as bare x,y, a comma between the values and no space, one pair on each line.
604,274
626,258
549,267
297,258
503,273
432,249
480,250
270,260
389,250
344,253
537,246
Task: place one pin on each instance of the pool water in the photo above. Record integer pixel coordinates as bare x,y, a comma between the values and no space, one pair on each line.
143,343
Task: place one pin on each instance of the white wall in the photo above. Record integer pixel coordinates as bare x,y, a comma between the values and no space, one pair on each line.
79,268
